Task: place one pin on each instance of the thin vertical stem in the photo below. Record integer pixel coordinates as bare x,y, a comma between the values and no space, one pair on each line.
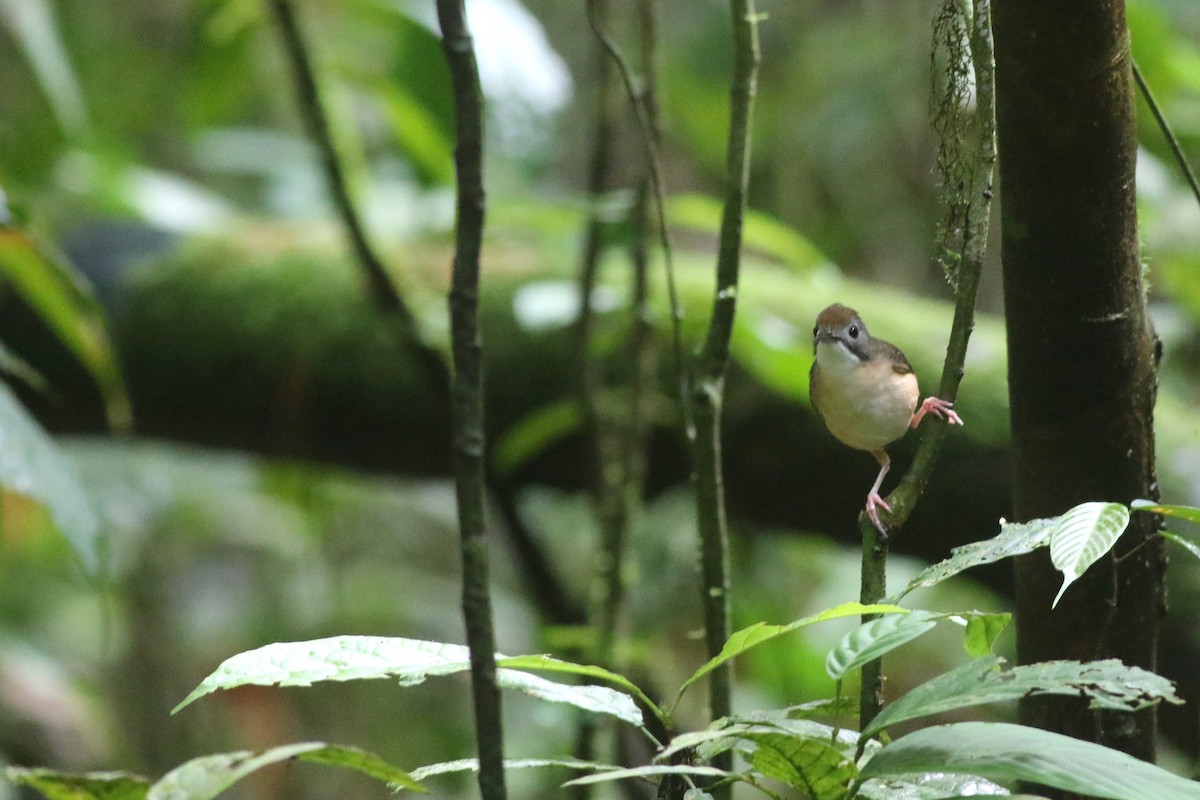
709,387
974,246
467,395
1167,132
317,121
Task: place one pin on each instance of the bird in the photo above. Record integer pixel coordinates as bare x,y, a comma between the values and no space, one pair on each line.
866,392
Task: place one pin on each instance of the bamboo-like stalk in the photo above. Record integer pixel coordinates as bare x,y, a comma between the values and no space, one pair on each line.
974,246
467,394
709,382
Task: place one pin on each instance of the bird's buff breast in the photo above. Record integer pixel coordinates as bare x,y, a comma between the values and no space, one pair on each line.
865,406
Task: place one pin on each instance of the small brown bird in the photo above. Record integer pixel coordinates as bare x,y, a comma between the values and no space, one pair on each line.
866,391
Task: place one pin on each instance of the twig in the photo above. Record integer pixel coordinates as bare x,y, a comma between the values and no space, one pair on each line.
1168,133
975,234
313,110
709,388
647,133
467,395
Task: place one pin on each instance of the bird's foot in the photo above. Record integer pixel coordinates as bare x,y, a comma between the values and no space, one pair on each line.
939,408
873,500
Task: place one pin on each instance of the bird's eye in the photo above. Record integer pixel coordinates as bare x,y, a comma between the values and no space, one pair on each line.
815,330
853,331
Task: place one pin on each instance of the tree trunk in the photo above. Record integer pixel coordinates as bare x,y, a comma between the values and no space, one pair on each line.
1082,365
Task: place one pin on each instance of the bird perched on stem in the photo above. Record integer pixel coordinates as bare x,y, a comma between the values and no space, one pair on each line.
866,391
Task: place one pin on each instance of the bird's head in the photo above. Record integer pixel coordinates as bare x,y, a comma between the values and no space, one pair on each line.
842,331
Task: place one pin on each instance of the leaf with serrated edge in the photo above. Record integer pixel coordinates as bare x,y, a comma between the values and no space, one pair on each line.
1109,685
1186,544
874,639
1190,513
1014,539
347,658
1081,536
1004,752
760,632
813,766
81,786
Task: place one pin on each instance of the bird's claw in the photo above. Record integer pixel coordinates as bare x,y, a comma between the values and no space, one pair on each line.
873,500
939,408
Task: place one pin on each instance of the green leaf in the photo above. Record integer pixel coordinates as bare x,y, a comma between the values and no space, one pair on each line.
1004,752
65,303
874,639
762,232
1109,685
1082,535
651,771
544,663
420,774
349,658
979,639
533,433
206,777
1014,539
56,785
31,464
1186,544
760,632
1190,513
812,765
935,786
16,367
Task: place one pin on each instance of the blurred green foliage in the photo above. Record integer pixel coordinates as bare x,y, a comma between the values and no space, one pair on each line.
179,115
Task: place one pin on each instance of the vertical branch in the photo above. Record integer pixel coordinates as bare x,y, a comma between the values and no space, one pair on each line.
468,392
709,388
977,217
317,121
646,130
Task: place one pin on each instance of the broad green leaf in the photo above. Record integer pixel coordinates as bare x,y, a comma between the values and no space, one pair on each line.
935,786
979,639
760,632
814,766
725,734
1082,535
1004,752
420,774
543,663
1190,513
66,304
1109,685
31,464
1014,539
417,131
206,777
873,639
1186,544
56,785
651,771
348,658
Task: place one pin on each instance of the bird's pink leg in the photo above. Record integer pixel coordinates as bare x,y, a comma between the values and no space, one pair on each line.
939,408
873,498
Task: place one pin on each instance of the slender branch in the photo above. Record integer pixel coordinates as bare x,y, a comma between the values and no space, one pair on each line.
647,131
317,120
974,245
709,389
467,395
1168,133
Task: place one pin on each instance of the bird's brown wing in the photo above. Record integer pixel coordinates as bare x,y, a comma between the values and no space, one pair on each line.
900,364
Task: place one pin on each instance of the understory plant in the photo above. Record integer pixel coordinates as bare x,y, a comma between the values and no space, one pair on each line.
812,749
